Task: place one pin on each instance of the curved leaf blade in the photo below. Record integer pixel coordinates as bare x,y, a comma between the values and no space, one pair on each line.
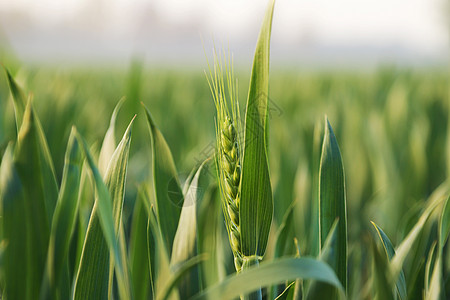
390,252
268,273
380,276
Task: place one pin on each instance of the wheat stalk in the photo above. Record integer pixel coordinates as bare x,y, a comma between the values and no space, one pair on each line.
228,145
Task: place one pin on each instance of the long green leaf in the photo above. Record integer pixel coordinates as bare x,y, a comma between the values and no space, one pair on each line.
256,206
285,245
436,290
268,273
28,162
438,196
210,225
390,252
169,196
322,290
93,281
380,276
64,217
15,230
139,266
46,163
185,243
332,200
158,259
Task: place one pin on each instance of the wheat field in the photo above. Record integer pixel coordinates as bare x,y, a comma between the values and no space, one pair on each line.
224,184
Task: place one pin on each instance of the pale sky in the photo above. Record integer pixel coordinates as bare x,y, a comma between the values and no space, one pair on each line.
175,29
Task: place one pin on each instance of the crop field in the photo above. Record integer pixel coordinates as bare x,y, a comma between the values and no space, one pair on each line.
232,183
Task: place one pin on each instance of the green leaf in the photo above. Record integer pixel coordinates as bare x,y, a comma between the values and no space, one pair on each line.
288,293
93,281
180,270
268,273
210,225
380,276
438,196
285,235
186,238
46,163
256,206
390,252
428,266
285,245
158,259
322,290
436,289
444,224
332,200
168,194
139,267
109,142
19,98
38,203
15,228
64,217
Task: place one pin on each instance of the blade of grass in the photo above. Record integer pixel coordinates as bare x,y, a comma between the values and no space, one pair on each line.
444,224
138,255
64,218
109,142
285,245
322,290
29,163
380,276
288,293
168,194
256,204
390,252
93,275
19,98
268,273
332,200
46,163
177,276
15,230
438,196
185,244
436,289
115,179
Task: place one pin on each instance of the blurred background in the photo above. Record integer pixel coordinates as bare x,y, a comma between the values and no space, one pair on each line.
379,69
347,33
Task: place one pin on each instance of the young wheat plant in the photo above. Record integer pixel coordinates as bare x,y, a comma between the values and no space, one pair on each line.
228,159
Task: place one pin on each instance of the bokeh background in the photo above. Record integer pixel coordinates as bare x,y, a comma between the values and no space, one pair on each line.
378,69
347,33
